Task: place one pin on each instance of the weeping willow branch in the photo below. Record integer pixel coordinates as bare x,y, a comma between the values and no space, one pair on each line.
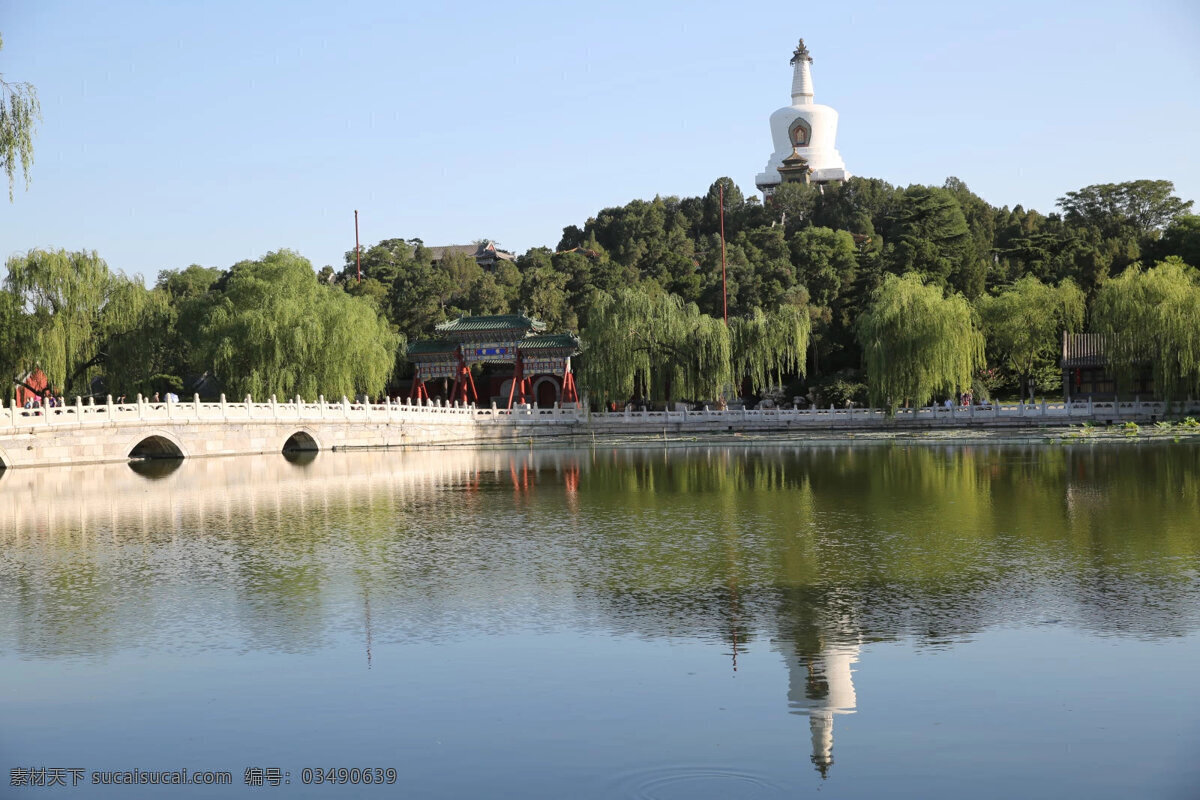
276,331
768,346
1024,323
1153,315
917,342
651,340
20,112
73,304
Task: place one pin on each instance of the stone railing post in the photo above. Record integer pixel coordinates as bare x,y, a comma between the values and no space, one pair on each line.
345,407
249,410
196,404
321,405
274,408
108,407
170,406
1091,411
12,412
299,407
224,410
1043,408
140,404
79,409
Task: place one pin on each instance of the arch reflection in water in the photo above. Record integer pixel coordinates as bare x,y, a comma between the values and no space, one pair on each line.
155,469
300,458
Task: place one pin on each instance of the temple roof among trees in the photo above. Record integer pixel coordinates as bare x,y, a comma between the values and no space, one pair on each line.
485,253
492,338
494,322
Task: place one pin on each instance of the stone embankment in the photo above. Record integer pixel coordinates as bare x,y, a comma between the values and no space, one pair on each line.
92,433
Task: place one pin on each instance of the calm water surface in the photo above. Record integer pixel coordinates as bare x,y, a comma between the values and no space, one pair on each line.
899,621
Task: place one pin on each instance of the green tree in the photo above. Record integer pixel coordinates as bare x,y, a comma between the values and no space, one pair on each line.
1153,315
1181,238
1141,207
77,309
164,351
1024,323
417,299
917,342
20,113
15,341
792,205
153,356
486,297
544,295
826,263
734,207
766,347
274,330
929,234
649,342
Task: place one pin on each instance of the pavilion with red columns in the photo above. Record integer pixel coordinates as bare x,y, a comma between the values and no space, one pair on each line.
541,362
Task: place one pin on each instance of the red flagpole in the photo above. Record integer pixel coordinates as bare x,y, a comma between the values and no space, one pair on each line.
358,249
724,292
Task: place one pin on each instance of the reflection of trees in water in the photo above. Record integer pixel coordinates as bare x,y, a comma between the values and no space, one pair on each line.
906,541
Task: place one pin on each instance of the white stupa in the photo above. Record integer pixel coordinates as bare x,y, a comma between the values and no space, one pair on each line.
804,134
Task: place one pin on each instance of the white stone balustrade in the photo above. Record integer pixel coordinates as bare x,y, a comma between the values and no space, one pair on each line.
110,431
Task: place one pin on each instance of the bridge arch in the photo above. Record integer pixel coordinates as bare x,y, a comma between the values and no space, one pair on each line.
301,441
156,444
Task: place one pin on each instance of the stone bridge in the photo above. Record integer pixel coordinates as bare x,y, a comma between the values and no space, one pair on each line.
88,433
108,432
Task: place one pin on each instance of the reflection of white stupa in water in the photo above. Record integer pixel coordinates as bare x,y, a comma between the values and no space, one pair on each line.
821,685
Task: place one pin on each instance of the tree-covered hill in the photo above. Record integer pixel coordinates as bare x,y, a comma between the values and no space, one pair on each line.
840,269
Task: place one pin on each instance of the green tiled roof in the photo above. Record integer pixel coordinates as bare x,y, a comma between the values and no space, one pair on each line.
550,341
530,344
423,347
497,322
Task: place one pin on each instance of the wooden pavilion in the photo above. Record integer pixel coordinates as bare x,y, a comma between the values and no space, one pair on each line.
1088,371
541,361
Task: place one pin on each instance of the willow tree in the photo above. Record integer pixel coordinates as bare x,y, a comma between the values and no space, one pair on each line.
74,308
918,342
275,330
768,346
20,112
1024,325
14,340
645,340
1153,315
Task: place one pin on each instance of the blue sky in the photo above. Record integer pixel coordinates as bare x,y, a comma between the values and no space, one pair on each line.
210,132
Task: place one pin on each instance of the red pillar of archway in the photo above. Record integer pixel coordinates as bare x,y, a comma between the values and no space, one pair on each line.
464,384
569,393
518,380
418,390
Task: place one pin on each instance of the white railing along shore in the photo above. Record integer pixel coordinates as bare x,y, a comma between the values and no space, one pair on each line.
298,410
965,414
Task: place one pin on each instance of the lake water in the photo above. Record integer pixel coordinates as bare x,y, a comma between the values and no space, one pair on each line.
709,622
